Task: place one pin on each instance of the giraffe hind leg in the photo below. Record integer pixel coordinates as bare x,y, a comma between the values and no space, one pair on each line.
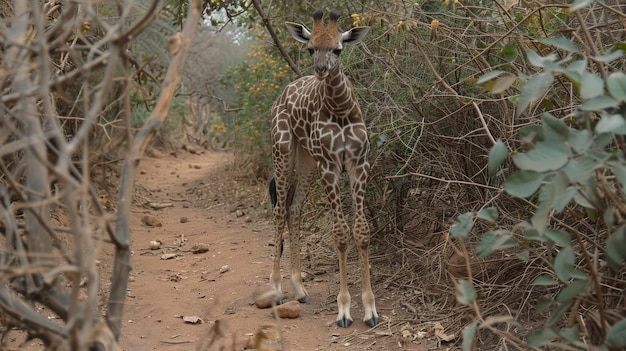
274,200
306,173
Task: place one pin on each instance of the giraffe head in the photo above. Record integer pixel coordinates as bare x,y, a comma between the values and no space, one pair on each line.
325,43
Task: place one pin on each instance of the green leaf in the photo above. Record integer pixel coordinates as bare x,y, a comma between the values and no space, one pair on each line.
611,124
545,198
468,336
608,215
559,311
540,61
579,4
575,70
616,249
489,76
543,303
600,141
533,89
501,84
563,199
573,290
616,336
492,241
579,140
619,170
489,214
509,52
497,156
591,86
570,334
544,280
462,226
547,155
531,134
564,263
619,46
523,184
609,56
599,103
582,201
561,194
484,248
466,293
580,169
560,43
541,337
554,128
531,233
617,85
558,236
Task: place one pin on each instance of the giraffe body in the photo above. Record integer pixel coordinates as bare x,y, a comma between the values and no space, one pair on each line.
317,133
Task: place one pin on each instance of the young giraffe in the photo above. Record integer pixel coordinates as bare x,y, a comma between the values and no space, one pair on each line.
318,129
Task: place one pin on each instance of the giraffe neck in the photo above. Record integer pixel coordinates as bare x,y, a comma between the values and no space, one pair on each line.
338,93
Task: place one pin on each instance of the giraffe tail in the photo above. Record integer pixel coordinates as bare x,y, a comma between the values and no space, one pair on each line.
272,191
274,200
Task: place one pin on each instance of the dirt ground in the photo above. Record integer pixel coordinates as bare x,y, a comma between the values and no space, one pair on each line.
196,291
220,285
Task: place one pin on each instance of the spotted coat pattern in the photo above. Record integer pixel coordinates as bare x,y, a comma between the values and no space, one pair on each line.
317,133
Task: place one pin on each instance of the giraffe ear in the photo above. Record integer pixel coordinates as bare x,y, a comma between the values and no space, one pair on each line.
298,32
354,35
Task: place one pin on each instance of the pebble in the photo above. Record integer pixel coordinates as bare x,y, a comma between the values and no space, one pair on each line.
151,221
289,310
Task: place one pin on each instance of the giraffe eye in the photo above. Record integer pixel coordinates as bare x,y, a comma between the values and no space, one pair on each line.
311,51
337,52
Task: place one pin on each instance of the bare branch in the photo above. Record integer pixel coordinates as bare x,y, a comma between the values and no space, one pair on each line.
121,268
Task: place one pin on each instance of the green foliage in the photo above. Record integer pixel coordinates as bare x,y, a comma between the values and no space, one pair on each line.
573,164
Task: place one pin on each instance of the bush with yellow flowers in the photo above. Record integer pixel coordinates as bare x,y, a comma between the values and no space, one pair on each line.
257,82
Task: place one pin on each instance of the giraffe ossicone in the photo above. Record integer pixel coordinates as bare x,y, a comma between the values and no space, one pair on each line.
318,132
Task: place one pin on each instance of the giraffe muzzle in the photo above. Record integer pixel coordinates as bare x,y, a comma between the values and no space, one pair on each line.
321,72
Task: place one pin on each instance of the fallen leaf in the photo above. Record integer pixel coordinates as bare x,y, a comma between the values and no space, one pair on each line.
439,332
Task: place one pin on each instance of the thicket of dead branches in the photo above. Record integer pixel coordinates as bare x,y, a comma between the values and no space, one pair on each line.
66,79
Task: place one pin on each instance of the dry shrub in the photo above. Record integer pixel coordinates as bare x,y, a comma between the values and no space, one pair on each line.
58,68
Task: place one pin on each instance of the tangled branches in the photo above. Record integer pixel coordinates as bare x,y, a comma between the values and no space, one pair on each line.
53,222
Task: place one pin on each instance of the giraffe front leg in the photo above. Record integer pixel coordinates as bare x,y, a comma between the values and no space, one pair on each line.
344,319
358,179
370,316
362,239
341,236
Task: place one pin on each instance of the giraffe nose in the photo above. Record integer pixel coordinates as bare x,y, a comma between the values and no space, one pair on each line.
321,71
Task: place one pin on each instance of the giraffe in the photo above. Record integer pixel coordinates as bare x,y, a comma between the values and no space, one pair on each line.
317,133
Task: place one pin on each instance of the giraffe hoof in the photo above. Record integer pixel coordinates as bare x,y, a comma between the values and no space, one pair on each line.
372,322
304,299
344,323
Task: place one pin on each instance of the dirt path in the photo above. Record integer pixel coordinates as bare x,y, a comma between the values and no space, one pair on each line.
220,285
